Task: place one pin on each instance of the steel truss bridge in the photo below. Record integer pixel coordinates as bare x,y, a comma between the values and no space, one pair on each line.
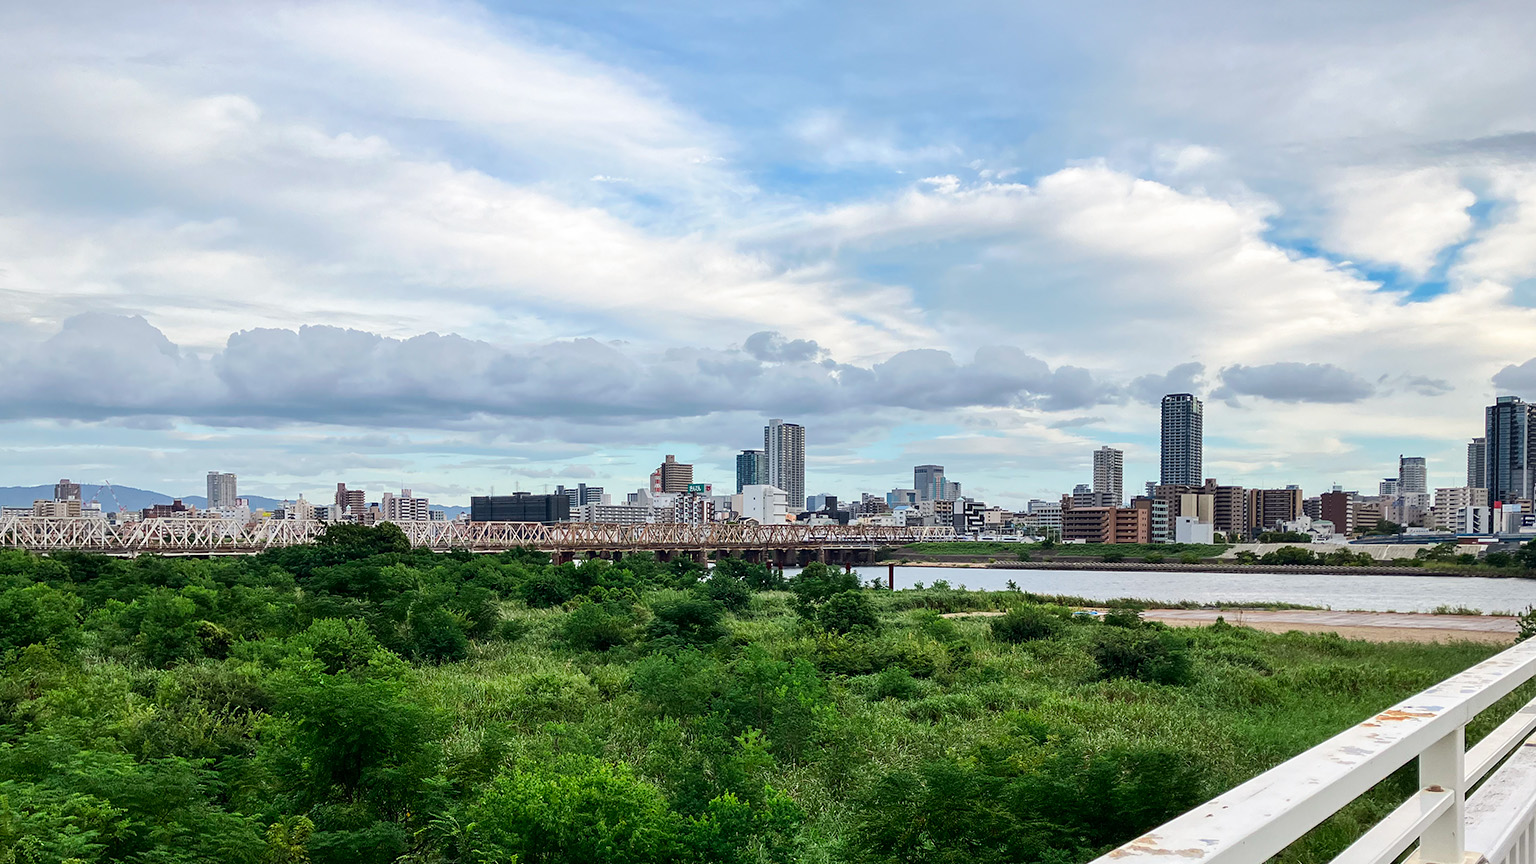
203,536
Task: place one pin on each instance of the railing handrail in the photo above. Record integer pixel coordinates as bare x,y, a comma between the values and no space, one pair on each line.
1257,819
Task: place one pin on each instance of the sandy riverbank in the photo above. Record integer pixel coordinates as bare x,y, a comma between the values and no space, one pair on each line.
1370,626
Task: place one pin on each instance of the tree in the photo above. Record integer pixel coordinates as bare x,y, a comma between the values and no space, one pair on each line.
818,583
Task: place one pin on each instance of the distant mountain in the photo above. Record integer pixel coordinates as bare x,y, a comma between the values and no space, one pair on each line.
130,498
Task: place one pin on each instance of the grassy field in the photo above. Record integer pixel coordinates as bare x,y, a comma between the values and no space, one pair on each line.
362,702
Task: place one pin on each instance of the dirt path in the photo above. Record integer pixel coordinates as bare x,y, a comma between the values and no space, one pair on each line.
1371,626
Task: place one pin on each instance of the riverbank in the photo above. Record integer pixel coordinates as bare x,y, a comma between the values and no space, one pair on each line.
975,562
1369,626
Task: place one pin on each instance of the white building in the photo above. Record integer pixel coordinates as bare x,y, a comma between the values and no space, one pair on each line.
622,514
1450,501
1189,529
403,508
766,505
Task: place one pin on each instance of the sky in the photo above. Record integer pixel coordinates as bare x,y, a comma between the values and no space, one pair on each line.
459,248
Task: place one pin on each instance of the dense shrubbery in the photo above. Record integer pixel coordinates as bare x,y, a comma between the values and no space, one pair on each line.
360,701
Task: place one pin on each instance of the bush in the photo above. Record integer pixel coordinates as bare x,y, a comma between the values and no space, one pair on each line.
597,627
686,621
1026,624
1123,616
1112,557
727,590
1499,559
1190,558
848,612
1157,657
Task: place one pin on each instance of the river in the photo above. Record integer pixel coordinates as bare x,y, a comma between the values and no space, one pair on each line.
1341,591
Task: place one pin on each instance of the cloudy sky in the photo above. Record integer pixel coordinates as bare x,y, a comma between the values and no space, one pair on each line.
453,246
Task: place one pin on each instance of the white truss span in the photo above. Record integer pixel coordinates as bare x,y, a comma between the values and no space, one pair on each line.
214,536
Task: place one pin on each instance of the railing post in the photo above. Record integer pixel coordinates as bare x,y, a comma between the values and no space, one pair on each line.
1443,765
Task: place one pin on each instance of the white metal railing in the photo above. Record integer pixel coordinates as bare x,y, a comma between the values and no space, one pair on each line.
1258,819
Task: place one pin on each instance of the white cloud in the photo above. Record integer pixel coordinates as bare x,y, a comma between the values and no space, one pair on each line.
1401,218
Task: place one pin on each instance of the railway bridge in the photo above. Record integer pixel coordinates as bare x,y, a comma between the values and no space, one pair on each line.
785,545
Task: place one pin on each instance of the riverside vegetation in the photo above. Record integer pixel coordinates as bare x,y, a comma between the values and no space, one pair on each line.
360,701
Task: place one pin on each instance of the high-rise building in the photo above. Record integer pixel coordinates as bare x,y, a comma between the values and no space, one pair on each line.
1387,488
784,444
672,476
349,502
932,485
928,480
404,507
751,468
1412,475
1477,467
1109,476
221,490
581,494
1183,440
1508,444
66,491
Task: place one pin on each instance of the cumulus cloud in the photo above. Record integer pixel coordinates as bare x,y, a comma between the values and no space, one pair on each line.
1183,378
99,366
1293,382
1516,380
1403,218
770,347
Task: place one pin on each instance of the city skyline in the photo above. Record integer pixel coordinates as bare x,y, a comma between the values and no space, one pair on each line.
447,278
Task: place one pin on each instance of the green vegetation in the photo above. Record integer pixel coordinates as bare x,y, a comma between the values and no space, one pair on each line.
985,548
359,701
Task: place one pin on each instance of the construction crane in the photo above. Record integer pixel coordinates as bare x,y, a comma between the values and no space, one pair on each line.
107,485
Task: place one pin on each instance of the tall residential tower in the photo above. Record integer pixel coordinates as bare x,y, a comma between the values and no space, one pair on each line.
221,490
1109,476
784,446
1508,444
1183,440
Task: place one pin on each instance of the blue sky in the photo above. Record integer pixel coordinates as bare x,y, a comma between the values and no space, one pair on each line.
450,246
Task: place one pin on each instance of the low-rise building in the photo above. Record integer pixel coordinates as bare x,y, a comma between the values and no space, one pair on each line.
764,504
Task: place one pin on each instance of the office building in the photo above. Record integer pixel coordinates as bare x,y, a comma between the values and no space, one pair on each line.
520,507
1387,488
1109,476
66,491
784,444
1477,468
1412,475
1508,434
672,476
1183,440
751,468
221,490
928,480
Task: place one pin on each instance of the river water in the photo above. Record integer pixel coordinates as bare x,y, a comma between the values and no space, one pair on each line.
1341,591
